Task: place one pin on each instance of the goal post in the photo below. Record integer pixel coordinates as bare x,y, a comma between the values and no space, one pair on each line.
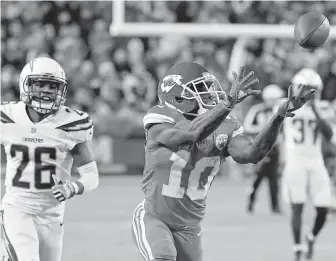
119,27
198,30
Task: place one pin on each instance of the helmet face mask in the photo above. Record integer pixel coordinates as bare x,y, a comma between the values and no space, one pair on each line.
43,85
190,88
206,90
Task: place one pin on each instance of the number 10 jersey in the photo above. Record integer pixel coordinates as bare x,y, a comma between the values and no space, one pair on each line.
176,181
36,151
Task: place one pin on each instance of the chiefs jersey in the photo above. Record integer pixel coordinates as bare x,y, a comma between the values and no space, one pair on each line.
176,181
36,151
302,138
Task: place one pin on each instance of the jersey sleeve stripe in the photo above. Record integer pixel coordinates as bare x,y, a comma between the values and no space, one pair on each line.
237,132
76,124
153,118
77,129
5,118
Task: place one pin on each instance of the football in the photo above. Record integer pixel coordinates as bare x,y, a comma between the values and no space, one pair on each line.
311,30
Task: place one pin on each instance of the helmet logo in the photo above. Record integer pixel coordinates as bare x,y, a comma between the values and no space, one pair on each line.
170,81
208,76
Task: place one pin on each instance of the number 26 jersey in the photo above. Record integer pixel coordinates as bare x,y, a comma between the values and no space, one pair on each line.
36,151
176,182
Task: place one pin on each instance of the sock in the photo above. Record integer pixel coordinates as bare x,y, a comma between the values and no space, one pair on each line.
297,222
321,216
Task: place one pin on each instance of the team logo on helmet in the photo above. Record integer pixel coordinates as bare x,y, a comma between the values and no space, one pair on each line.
208,76
221,141
170,81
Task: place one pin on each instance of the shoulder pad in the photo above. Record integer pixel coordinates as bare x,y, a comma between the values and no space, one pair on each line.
6,112
159,114
76,123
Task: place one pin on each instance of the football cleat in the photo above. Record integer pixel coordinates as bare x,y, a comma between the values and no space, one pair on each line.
310,248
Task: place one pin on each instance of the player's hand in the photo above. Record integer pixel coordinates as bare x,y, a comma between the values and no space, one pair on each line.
241,86
295,102
62,191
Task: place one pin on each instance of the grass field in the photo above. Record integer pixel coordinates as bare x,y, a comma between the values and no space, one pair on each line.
97,225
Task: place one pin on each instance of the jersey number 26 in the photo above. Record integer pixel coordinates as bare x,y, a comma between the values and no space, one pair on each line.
39,168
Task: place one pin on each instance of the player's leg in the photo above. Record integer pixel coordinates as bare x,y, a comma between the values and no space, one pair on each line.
20,235
295,180
51,240
296,225
272,175
152,236
258,176
188,243
320,189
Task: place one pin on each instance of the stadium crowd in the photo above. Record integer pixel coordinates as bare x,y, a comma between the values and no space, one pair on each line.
116,78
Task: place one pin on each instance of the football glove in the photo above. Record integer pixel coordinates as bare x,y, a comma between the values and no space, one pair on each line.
241,87
295,102
63,191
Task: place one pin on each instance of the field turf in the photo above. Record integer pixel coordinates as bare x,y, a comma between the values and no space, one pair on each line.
97,225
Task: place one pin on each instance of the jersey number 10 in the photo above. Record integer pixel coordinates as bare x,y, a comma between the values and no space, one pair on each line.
39,168
199,180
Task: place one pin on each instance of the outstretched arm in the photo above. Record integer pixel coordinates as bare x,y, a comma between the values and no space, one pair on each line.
184,131
243,150
175,134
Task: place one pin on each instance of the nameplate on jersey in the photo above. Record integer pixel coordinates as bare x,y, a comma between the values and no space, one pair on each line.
33,140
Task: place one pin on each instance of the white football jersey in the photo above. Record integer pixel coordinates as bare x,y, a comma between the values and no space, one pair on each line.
36,151
302,138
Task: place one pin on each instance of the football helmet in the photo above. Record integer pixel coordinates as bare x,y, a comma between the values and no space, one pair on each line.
271,93
190,88
308,77
43,85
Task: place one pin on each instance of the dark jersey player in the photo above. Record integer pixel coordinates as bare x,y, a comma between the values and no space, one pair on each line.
188,136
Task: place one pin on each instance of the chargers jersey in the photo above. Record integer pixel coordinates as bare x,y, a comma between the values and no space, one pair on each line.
176,181
36,151
302,138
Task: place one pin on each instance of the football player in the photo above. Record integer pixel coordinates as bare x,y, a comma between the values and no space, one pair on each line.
188,136
256,118
41,138
304,165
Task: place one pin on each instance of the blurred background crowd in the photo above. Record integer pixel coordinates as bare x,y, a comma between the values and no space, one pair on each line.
115,79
